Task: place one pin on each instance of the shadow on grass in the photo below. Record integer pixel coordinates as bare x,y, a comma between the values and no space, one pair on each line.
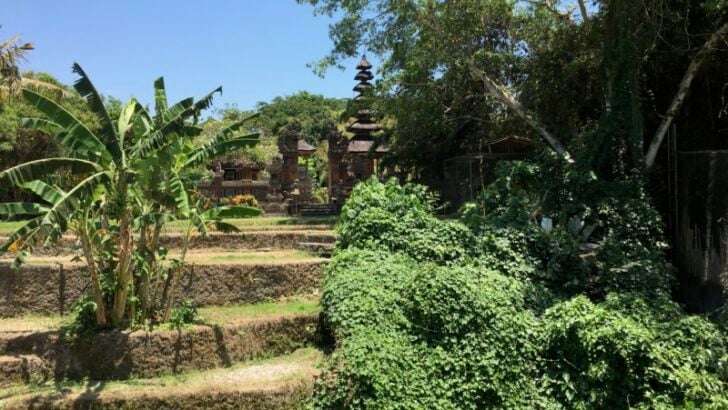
309,220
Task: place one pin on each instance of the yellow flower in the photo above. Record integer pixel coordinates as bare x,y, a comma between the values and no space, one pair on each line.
103,232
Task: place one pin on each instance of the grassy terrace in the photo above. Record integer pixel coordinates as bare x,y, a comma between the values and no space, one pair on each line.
213,315
206,257
265,223
298,367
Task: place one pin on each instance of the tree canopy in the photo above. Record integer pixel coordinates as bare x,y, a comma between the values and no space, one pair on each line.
556,60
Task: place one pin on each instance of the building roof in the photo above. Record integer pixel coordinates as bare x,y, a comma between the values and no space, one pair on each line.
508,145
305,148
363,127
362,86
364,64
364,75
364,146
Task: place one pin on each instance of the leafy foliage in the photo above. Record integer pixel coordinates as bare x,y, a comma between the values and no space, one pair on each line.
528,320
129,173
399,218
184,314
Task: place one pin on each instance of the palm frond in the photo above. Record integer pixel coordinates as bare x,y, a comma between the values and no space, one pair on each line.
48,193
204,154
66,206
160,99
231,212
86,88
11,209
65,119
33,170
21,233
182,109
199,222
205,102
75,142
179,193
225,227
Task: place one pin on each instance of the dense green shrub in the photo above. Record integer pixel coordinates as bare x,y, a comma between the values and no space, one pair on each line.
399,218
362,289
605,237
422,336
625,353
517,318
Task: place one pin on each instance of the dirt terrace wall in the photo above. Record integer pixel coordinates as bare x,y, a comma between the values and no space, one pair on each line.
52,289
289,397
118,355
240,240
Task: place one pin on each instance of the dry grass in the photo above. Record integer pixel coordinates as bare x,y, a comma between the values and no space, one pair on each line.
298,367
213,315
206,257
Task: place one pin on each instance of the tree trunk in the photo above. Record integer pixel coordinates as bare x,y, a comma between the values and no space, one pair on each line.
176,274
94,273
506,98
123,272
682,92
584,14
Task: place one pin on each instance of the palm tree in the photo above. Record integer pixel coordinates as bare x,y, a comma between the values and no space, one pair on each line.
113,178
12,52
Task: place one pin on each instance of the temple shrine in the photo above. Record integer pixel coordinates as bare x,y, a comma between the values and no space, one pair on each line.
355,159
353,156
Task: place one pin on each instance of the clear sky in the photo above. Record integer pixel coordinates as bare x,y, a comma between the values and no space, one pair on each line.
255,49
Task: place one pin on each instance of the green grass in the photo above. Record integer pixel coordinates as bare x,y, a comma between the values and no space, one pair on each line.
223,314
271,223
303,360
210,315
263,223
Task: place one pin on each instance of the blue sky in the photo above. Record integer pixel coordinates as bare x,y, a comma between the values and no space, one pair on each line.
255,49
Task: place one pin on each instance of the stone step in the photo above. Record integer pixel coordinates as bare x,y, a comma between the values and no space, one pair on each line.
52,288
279,383
22,369
317,248
318,209
122,355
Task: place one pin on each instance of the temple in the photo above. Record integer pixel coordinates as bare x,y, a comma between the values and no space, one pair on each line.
356,158
353,156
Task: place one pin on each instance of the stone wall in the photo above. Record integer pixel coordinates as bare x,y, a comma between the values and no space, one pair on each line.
53,288
119,355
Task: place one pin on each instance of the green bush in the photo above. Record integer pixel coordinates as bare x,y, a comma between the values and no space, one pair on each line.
184,314
625,353
399,218
362,289
508,315
606,237
421,336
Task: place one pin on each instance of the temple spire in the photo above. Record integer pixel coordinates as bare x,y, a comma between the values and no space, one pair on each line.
363,126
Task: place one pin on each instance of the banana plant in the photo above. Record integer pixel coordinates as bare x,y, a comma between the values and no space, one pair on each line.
109,163
167,185
202,222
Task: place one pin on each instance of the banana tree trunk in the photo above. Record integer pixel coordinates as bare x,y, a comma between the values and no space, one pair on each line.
95,279
123,271
176,275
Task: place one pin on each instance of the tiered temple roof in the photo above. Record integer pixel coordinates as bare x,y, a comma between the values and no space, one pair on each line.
363,126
